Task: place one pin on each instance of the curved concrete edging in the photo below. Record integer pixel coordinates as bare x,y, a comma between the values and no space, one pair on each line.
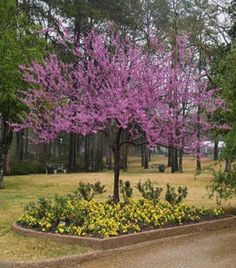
132,240
129,239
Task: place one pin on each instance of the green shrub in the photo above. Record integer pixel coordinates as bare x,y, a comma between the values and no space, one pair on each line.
126,190
148,191
99,188
223,185
68,215
87,191
27,167
175,197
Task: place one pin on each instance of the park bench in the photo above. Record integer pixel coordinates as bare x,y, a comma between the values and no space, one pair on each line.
55,169
160,167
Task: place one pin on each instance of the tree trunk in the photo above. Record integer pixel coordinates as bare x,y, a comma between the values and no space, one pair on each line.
124,158
7,164
216,151
169,157
87,153
6,137
116,153
146,157
174,162
142,155
116,176
180,161
72,153
20,145
146,164
26,144
1,173
228,166
199,166
108,157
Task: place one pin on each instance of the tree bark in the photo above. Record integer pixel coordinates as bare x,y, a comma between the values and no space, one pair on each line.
180,161
146,157
116,176
116,153
199,166
124,158
228,166
6,136
72,153
1,173
174,162
20,145
7,164
169,157
87,153
216,151
108,157
142,155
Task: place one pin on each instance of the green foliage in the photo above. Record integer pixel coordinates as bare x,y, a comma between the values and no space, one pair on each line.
99,188
225,73
19,44
148,191
223,185
68,215
175,197
87,191
126,190
27,167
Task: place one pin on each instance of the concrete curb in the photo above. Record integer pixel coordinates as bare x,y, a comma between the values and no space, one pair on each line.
129,239
112,245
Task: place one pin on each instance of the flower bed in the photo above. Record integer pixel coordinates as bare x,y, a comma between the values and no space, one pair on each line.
68,215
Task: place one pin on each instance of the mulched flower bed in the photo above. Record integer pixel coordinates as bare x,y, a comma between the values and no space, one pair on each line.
70,215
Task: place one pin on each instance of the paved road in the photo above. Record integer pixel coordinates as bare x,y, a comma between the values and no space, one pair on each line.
215,249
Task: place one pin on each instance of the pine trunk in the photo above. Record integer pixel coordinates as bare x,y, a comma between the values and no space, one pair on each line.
142,155
124,158
228,166
1,172
174,162
180,161
72,153
6,137
87,153
7,164
20,145
216,151
169,157
108,157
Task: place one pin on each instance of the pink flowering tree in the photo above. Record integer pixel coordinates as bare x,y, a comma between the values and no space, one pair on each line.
114,86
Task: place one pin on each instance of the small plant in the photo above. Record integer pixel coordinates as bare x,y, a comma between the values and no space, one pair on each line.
126,190
223,185
99,188
148,191
87,191
175,197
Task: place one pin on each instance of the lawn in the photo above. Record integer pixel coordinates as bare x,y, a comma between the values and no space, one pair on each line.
20,190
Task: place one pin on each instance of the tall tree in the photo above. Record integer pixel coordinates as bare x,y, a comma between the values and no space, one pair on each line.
19,43
116,87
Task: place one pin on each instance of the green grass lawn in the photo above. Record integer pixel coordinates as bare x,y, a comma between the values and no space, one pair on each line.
20,190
